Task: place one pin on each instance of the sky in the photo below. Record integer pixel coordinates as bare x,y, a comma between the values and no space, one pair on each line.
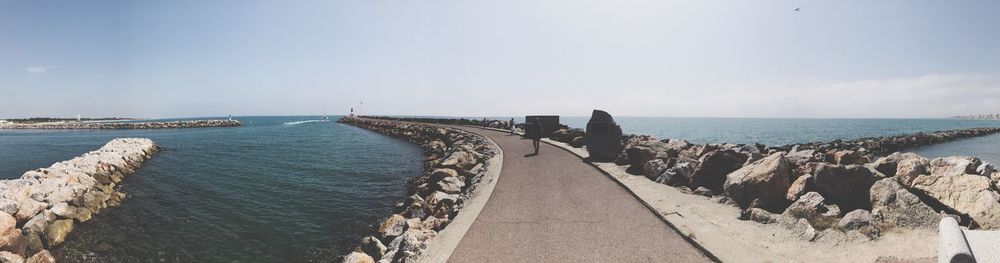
192,58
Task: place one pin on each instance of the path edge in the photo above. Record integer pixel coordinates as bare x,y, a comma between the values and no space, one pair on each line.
444,244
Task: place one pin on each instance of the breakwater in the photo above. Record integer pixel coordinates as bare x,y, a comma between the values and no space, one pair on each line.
456,161
41,207
841,189
124,125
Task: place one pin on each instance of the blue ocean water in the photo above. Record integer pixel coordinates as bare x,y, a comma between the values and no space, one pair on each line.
280,189
291,189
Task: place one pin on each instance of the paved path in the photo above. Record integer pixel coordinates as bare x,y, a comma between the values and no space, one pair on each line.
554,208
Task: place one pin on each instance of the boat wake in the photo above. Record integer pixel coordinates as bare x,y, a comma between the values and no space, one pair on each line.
306,121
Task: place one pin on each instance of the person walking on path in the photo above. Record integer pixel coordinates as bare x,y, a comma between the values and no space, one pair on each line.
533,130
513,127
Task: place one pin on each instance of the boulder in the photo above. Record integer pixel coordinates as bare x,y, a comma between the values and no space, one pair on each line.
28,208
887,165
855,220
460,159
765,182
895,206
451,185
64,210
653,168
440,204
41,257
908,169
39,222
643,151
713,168
392,227
8,257
799,187
846,157
812,207
441,173
358,257
702,191
801,157
846,185
758,215
679,175
7,223
373,247
985,169
57,231
969,194
954,165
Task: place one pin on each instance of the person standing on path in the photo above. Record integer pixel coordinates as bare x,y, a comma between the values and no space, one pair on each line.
513,126
533,130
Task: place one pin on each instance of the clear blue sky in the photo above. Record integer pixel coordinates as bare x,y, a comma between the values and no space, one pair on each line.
641,58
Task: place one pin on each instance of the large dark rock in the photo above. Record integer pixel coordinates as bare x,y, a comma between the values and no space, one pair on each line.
713,168
846,185
603,136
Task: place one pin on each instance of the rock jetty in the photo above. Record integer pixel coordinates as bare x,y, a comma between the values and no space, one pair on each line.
41,207
124,125
455,163
834,190
828,190
879,146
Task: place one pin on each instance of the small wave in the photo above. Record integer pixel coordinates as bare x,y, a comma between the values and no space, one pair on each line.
301,122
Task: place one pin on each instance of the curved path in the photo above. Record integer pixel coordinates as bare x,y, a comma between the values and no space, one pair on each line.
553,207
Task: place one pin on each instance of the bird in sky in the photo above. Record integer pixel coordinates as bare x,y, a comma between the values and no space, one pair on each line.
797,10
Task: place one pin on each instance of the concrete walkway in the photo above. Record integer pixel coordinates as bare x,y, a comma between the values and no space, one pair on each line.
554,208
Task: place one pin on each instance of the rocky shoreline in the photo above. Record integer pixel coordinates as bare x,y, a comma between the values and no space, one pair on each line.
843,189
41,207
456,161
124,125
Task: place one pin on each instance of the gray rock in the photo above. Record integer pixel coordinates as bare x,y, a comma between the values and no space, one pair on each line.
764,182
894,206
970,194
845,185
653,168
714,166
679,175
799,187
954,165
451,185
373,247
392,227
812,207
985,169
702,191
855,220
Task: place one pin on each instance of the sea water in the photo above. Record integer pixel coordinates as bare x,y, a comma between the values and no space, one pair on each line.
280,189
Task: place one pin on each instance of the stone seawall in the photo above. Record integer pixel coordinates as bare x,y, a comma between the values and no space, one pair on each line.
41,207
124,125
456,161
839,190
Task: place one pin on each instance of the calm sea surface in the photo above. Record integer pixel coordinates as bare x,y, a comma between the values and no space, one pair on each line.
277,190
293,189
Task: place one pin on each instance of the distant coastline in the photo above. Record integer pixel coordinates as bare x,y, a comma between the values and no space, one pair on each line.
995,116
92,125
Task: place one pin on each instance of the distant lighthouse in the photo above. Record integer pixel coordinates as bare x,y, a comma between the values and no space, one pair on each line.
78,119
